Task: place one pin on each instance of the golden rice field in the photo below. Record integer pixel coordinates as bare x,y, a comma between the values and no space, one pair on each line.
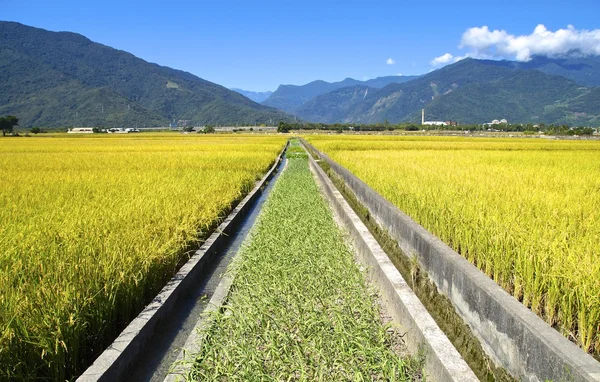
92,227
525,211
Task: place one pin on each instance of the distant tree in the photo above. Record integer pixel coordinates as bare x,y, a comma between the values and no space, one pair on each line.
283,127
587,131
35,130
209,130
8,123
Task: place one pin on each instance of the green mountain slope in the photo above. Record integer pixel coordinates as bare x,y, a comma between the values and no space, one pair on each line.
335,106
64,79
585,70
380,82
469,91
291,97
540,98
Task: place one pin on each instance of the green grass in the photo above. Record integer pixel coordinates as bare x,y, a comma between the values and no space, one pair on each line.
299,308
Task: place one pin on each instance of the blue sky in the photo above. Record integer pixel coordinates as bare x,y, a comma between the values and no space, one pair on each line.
257,45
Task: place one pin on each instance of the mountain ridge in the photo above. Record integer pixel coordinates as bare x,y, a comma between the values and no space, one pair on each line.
469,91
291,97
44,76
257,97
584,70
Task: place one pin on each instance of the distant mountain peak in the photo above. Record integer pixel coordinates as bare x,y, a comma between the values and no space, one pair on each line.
291,97
254,96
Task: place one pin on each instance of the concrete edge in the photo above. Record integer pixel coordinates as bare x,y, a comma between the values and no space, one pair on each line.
193,344
443,362
517,339
197,336
113,363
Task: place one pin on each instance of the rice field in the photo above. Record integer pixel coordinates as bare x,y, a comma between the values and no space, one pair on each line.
299,308
525,211
92,227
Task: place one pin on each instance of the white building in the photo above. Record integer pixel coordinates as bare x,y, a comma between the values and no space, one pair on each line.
430,123
81,130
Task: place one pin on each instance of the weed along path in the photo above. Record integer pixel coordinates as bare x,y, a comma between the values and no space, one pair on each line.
299,307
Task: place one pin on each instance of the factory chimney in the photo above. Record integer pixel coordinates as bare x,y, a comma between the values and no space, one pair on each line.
422,116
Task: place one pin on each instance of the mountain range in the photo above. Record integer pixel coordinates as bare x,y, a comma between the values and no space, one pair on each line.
292,97
254,96
543,90
585,70
61,79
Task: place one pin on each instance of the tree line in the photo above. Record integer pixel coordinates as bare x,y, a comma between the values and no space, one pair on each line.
529,128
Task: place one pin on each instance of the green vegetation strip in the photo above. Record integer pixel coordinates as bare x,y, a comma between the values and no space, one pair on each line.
300,308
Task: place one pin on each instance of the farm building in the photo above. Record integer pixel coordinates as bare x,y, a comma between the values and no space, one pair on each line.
81,130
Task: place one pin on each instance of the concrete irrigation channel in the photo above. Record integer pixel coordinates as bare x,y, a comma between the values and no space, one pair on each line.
510,335
147,347
162,342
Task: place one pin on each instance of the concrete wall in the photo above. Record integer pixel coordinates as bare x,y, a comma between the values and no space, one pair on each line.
443,362
513,336
113,364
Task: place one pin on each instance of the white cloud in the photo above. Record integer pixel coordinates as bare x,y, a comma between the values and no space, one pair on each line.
399,74
443,59
390,61
485,43
500,44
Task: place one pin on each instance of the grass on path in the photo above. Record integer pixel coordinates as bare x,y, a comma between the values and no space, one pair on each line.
299,308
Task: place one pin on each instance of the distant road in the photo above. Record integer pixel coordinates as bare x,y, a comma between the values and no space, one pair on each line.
156,128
